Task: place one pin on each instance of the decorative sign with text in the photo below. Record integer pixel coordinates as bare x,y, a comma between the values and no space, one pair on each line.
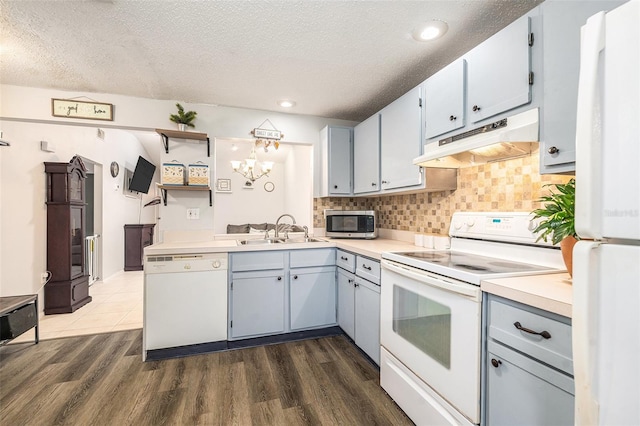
267,134
70,108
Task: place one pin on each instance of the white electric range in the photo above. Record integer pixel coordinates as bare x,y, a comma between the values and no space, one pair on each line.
431,312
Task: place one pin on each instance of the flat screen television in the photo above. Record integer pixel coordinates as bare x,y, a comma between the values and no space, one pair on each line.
142,176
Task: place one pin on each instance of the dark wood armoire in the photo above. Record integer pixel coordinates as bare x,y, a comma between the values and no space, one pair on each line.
68,288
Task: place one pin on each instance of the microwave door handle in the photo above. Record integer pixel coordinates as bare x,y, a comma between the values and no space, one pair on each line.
468,290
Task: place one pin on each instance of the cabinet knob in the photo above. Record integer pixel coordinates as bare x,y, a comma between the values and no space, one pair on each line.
335,186
553,150
279,278
295,277
476,108
496,363
385,181
452,118
355,284
374,184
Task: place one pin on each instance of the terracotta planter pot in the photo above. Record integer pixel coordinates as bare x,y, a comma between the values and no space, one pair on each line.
566,247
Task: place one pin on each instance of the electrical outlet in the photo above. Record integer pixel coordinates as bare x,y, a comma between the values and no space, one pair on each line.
193,214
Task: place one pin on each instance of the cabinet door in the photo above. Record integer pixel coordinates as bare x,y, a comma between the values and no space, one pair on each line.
257,303
312,297
523,391
401,141
444,99
366,156
77,241
498,72
346,302
339,167
367,306
561,25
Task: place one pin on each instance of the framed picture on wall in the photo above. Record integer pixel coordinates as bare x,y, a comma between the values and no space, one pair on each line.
223,185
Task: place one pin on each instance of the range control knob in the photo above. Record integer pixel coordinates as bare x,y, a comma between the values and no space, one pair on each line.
215,264
187,266
470,222
457,225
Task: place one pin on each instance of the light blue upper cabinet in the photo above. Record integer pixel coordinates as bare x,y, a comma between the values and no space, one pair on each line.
401,141
366,156
444,99
498,72
561,25
336,144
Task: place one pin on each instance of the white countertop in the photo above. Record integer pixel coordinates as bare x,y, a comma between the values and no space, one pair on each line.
550,292
370,248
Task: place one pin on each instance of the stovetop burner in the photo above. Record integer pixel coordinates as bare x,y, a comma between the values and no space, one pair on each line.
470,262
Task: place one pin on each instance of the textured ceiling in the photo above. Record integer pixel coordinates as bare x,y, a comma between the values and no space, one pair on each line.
337,59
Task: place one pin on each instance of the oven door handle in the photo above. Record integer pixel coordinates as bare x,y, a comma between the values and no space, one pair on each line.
469,290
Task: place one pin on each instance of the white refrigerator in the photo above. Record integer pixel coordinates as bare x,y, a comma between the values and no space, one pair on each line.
606,271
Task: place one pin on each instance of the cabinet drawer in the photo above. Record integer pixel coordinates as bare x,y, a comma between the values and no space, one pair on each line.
255,261
312,257
504,318
368,269
346,260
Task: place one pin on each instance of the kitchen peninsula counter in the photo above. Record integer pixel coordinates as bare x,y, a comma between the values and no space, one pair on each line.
549,292
370,248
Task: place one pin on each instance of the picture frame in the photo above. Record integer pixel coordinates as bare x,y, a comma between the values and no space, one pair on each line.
223,185
71,108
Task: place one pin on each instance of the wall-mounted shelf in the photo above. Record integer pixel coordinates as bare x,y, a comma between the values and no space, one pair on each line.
165,188
176,134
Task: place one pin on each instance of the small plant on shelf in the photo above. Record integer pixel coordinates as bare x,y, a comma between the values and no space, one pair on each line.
182,118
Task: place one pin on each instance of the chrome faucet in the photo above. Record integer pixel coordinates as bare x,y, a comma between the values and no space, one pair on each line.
278,223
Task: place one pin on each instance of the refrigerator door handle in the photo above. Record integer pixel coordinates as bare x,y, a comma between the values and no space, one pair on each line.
584,329
589,130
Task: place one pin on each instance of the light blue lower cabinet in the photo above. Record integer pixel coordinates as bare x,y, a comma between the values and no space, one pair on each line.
312,298
346,302
276,292
257,303
522,391
528,366
367,318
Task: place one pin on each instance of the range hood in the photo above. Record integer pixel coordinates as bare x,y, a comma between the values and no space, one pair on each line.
511,137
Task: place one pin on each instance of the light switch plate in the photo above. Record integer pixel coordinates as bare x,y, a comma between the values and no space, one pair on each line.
193,214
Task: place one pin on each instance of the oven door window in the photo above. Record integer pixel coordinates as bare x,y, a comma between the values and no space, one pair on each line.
424,323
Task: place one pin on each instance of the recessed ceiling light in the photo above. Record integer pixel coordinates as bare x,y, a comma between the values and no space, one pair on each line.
286,103
430,31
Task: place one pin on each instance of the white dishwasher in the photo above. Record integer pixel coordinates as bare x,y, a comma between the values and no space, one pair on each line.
185,300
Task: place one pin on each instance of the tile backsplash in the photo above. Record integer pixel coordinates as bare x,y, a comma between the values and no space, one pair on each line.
511,185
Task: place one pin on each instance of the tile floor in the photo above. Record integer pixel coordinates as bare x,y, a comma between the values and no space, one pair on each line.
116,305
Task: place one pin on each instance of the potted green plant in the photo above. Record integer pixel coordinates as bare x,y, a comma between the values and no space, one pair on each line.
558,219
183,119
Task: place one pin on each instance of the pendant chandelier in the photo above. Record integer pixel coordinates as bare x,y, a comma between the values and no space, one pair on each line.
250,168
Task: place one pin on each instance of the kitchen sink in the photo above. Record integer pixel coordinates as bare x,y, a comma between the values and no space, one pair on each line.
302,240
262,241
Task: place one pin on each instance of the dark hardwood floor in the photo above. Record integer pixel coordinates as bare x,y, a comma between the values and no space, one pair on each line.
101,380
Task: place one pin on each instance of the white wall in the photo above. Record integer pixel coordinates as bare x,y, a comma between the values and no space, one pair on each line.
25,120
257,205
23,207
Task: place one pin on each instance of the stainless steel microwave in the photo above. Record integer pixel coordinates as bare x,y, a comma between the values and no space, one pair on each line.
351,224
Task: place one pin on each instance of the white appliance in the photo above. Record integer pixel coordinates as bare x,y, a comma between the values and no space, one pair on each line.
606,268
431,312
185,300
509,137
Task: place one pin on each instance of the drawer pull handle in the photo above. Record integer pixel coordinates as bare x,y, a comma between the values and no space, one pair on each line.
544,334
343,258
368,268
496,363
